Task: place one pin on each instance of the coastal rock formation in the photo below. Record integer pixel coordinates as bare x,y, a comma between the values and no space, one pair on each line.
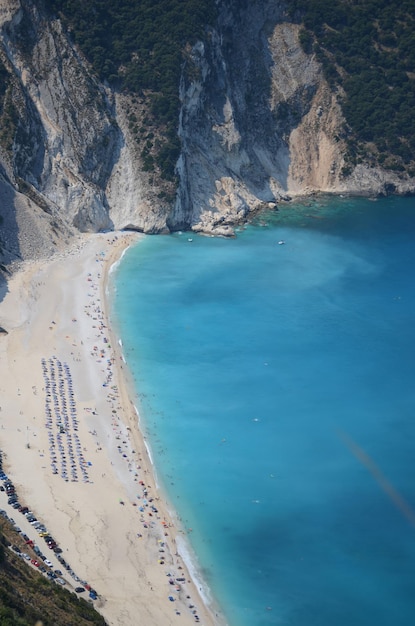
258,124
261,124
66,164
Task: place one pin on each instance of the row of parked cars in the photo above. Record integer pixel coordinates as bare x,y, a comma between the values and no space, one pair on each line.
13,501
54,575
10,490
8,487
41,559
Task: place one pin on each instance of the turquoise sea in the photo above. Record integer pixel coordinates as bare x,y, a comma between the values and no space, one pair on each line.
276,383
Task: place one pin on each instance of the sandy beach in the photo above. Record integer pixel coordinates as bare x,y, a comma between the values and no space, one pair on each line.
72,446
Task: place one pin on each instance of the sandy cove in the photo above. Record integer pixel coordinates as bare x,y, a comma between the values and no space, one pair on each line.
72,446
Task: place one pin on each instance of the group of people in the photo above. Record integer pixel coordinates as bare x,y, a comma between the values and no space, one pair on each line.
62,423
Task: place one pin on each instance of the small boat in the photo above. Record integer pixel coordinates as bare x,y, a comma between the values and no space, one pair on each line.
281,242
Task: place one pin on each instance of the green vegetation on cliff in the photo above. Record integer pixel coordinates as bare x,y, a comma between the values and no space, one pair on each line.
139,46
367,47
28,598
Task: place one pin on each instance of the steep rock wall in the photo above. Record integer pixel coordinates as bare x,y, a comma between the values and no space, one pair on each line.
72,155
233,160
258,123
65,139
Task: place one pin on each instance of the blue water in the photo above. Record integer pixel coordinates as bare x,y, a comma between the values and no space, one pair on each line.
276,384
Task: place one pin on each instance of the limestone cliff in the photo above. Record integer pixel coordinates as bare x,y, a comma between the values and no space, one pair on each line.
70,159
258,123
261,123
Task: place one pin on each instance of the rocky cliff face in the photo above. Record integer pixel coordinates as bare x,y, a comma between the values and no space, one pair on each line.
71,160
261,123
258,123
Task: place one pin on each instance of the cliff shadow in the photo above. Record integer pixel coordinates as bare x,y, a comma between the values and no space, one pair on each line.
9,241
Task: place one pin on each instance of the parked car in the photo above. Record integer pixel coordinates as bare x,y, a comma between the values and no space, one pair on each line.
79,589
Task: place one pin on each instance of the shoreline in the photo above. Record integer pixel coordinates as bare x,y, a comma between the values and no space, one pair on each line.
114,525
183,547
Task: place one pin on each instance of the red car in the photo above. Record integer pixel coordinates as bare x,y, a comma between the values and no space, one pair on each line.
34,562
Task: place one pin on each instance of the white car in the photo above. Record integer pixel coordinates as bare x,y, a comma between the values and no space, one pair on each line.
48,563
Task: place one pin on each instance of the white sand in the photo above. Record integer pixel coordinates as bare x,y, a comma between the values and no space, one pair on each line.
55,312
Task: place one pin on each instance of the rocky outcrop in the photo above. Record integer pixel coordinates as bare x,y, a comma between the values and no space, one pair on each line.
261,123
258,123
233,159
71,160
66,142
